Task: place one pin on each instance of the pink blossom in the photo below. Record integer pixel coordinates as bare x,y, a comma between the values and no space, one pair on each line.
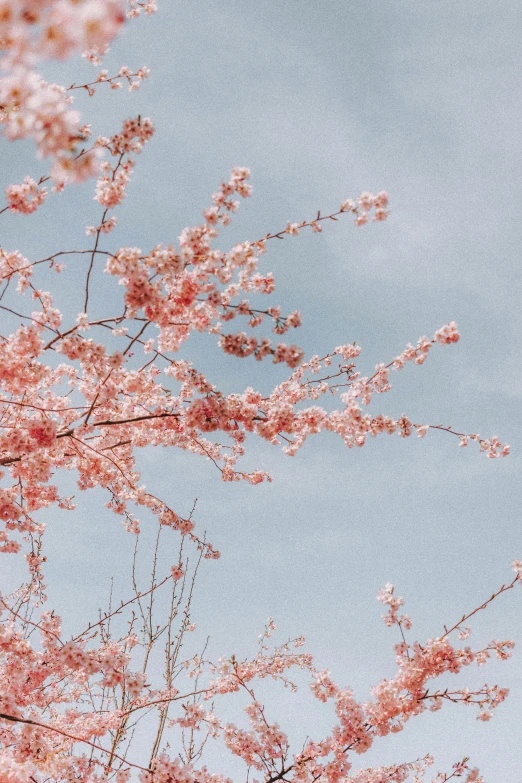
177,572
25,198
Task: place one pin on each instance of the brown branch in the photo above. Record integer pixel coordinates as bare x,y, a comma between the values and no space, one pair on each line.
465,617
120,607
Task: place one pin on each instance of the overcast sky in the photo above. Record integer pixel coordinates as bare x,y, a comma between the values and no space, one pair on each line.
323,100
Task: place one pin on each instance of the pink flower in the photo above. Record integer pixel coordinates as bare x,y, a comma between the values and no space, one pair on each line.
516,566
43,431
447,334
177,572
25,198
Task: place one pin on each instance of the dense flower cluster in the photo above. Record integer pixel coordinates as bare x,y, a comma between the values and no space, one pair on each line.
29,106
25,198
38,741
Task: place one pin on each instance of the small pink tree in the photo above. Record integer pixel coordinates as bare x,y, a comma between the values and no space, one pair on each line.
69,401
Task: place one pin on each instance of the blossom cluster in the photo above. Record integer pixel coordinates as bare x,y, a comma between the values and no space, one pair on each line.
177,290
25,198
29,106
62,673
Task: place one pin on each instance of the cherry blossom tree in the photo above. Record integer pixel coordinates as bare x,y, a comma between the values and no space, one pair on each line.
84,394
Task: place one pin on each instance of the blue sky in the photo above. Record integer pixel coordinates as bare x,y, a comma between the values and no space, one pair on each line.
323,100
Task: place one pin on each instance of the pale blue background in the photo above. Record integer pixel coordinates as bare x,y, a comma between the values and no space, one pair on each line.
323,100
